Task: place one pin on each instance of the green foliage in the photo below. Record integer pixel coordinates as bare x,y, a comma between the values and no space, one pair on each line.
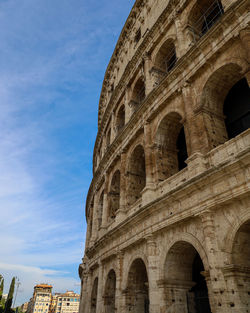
1,287
8,303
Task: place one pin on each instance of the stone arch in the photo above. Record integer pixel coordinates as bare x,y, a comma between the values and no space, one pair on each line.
232,232
215,95
184,279
137,255
94,296
137,291
136,174
203,15
241,246
110,292
114,195
138,94
165,58
100,209
171,146
120,119
183,237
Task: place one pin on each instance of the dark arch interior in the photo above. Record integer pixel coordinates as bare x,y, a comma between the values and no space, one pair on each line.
94,296
138,95
182,149
171,146
237,108
200,288
183,274
114,195
100,209
109,296
137,290
211,15
120,119
137,175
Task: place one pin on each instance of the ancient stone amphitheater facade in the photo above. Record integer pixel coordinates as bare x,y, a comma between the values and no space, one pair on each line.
168,208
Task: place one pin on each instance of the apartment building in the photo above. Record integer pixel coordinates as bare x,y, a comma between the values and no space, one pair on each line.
41,300
68,302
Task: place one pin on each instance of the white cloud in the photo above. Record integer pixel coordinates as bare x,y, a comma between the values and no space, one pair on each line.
29,276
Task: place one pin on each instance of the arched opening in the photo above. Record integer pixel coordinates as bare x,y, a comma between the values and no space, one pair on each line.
171,146
238,275
136,175
114,195
241,246
203,16
109,295
120,119
100,210
137,296
138,95
94,296
166,57
186,288
225,94
237,108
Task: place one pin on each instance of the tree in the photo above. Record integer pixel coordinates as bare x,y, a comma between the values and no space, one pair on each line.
1,287
8,303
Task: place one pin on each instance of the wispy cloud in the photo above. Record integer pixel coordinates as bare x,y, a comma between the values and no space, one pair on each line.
53,58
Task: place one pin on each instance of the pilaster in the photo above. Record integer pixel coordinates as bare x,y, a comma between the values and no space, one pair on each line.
105,204
122,210
147,67
120,302
95,220
149,165
152,254
215,280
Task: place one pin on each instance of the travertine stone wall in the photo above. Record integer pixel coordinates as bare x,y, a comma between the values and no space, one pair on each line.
169,214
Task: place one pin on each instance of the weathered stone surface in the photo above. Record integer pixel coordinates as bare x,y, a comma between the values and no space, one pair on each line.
168,208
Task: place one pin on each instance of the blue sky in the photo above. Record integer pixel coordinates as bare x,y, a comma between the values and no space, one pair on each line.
53,55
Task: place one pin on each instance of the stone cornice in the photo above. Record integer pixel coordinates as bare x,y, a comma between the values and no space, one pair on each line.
189,213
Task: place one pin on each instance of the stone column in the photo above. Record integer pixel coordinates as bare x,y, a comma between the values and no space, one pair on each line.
89,230
127,106
101,283
195,132
181,42
197,137
119,303
83,274
153,258
216,284
105,204
122,210
149,165
87,297
112,135
147,67
95,220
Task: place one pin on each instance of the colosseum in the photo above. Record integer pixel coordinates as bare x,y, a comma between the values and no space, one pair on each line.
168,210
